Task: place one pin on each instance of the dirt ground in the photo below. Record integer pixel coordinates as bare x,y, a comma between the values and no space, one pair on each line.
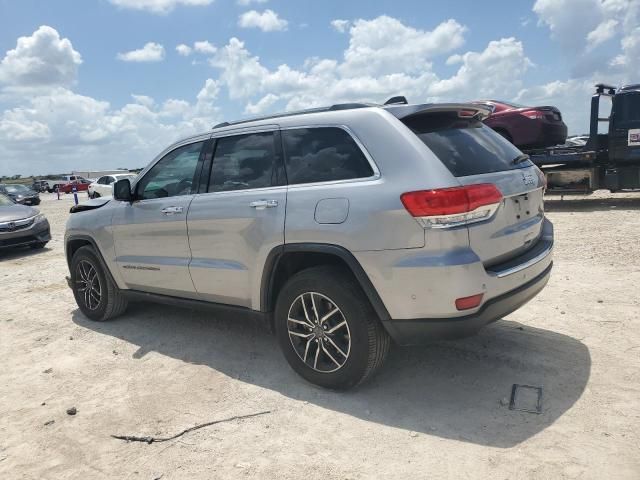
434,412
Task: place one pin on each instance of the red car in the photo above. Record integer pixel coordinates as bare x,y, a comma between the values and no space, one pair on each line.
526,127
81,185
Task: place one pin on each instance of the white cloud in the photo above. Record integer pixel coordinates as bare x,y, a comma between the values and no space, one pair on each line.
183,50
161,7
40,60
340,25
261,105
603,32
204,47
151,52
79,130
581,26
497,69
267,21
246,3
386,45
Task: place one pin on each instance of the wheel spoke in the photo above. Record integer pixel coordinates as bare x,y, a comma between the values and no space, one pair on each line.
329,355
301,335
315,309
340,325
324,318
306,350
304,307
337,347
315,361
300,322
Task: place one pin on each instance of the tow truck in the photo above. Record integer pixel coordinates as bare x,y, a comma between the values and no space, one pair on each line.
607,161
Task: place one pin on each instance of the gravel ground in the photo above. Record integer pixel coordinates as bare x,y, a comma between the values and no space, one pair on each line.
433,412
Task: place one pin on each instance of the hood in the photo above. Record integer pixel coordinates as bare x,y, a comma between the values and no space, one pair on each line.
91,204
16,212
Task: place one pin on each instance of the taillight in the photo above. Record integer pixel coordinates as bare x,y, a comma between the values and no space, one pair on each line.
450,207
533,114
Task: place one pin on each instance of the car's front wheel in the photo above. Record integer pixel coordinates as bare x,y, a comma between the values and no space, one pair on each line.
327,329
95,293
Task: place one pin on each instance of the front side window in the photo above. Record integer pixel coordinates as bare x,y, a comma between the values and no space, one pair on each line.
173,175
243,161
323,154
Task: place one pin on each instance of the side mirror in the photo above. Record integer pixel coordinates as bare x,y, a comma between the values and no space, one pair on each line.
122,190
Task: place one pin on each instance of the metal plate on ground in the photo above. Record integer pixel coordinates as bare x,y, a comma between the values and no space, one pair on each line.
526,398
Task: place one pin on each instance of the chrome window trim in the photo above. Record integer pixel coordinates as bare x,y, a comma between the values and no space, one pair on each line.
376,171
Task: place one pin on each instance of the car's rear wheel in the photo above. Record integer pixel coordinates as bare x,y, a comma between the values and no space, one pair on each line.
95,293
327,329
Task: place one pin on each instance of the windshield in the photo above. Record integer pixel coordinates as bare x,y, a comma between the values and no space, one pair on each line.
5,201
16,188
465,146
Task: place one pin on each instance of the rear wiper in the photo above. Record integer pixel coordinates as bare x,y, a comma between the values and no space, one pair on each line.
520,158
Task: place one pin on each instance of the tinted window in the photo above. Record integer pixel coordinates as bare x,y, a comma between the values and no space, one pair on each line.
323,154
102,181
173,175
243,161
465,146
627,109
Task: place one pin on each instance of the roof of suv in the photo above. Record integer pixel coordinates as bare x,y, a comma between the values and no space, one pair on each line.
400,111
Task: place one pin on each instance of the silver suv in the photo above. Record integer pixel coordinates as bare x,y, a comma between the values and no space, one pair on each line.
344,227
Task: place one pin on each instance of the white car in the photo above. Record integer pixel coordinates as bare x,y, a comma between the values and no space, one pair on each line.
103,187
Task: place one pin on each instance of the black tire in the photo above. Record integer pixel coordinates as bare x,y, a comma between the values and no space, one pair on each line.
38,246
110,302
369,341
96,195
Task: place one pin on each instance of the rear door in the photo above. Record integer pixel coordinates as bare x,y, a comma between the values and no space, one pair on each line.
475,154
238,217
150,234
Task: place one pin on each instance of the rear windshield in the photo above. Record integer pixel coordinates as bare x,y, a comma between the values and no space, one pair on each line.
465,146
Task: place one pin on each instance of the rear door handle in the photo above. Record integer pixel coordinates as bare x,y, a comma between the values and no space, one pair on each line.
262,204
171,210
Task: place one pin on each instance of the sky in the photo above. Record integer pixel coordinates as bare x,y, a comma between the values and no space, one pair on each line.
101,84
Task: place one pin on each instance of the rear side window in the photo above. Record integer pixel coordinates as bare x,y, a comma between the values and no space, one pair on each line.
243,161
465,146
323,154
626,109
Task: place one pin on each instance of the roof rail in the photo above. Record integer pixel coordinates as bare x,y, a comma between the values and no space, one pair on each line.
332,108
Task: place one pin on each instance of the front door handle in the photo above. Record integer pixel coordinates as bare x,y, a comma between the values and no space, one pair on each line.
262,204
171,210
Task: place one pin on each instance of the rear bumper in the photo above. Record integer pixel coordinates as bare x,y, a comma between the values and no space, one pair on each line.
418,331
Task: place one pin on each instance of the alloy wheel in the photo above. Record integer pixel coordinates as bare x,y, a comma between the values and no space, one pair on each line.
88,284
319,332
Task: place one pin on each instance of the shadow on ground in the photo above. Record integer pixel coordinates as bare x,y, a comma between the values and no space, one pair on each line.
591,204
447,389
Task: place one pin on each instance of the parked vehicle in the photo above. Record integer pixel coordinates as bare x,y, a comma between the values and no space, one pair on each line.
22,226
526,127
104,185
607,161
81,185
410,222
20,193
40,186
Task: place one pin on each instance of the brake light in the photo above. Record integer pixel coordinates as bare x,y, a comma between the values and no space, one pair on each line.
533,114
449,207
466,303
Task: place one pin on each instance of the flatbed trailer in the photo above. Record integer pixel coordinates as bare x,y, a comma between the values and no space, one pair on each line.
607,161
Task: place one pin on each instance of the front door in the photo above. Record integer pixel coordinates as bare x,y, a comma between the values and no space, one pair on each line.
239,218
150,234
